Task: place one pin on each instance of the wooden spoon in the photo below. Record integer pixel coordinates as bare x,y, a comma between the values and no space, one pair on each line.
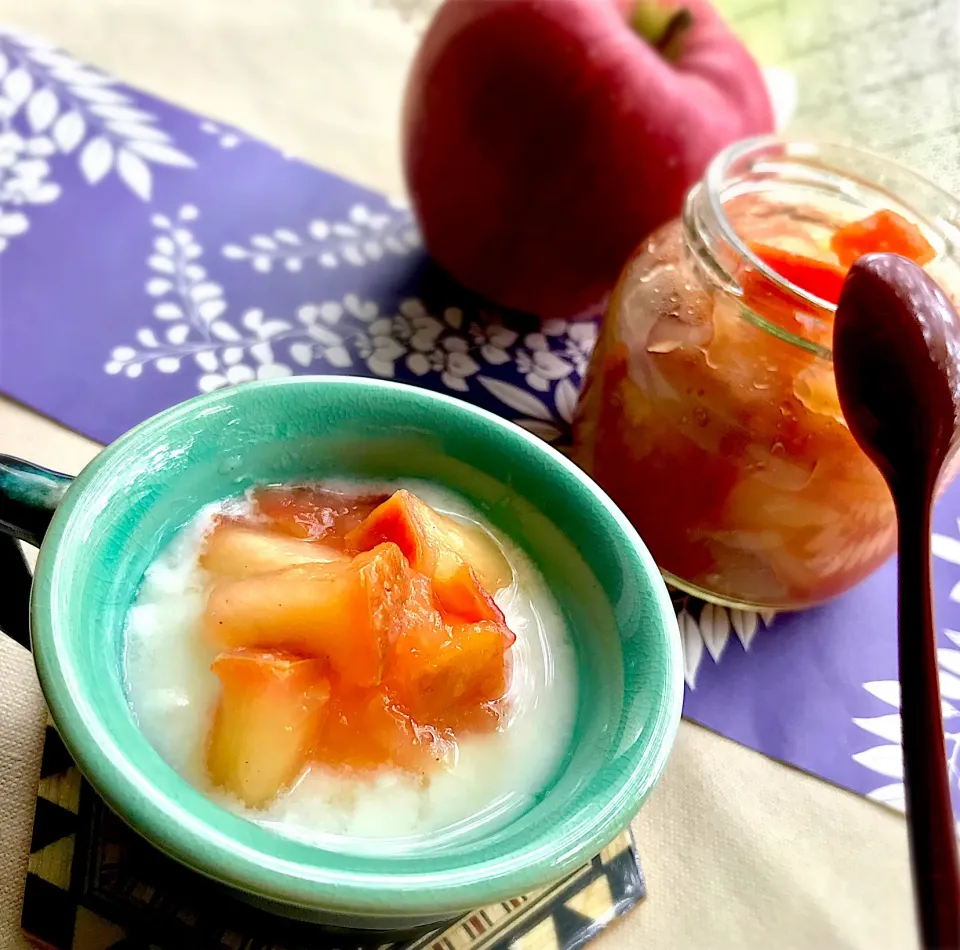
896,351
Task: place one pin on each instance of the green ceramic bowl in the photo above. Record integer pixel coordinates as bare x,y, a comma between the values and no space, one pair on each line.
128,503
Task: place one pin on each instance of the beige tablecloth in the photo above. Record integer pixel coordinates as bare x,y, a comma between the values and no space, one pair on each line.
739,851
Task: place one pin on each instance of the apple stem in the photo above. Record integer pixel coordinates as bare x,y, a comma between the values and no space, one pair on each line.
662,25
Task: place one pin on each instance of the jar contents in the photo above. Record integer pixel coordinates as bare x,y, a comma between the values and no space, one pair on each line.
710,410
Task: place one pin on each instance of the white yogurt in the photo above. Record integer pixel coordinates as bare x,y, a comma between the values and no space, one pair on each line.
173,694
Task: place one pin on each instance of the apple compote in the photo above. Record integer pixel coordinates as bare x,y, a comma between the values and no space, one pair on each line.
710,411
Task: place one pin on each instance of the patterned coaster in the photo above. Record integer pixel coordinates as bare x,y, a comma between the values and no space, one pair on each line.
93,884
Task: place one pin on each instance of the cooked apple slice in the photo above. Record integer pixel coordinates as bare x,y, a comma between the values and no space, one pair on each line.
343,611
235,550
366,729
448,681
313,513
437,547
475,546
270,710
424,535
460,595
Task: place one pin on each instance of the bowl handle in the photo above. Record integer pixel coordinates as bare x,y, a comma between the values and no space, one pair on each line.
29,496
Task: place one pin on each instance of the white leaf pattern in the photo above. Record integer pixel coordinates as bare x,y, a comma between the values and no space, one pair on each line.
883,759
262,352
692,645
224,331
887,691
946,548
886,727
42,109
211,309
328,245
115,113
13,223
205,291
566,399
160,153
338,356
949,685
168,310
714,629
98,94
135,173
301,353
96,159
177,334
745,624
162,264
210,382
63,106
712,623
139,132
949,659
69,130
158,286
516,398
17,86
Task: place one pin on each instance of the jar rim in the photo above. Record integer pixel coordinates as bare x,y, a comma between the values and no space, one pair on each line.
825,156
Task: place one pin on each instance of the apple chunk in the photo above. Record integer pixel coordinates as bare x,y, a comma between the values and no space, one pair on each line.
270,710
447,681
463,564
476,547
365,729
235,550
424,535
343,611
313,513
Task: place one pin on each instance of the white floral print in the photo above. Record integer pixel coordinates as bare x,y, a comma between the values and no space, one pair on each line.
226,138
53,106
539,364
886,758
706,628
191,308
494,342
365,237
457,350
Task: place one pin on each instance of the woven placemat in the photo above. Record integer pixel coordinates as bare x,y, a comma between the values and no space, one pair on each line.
94,884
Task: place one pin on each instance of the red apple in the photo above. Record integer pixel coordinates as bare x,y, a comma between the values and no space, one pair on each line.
544,139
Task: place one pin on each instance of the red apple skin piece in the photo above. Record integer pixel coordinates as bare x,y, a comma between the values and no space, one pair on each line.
235,550
271,708
342,611
543,140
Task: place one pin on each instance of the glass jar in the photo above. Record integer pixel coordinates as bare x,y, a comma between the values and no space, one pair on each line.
709,412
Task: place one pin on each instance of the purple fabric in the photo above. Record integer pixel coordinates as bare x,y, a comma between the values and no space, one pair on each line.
147,254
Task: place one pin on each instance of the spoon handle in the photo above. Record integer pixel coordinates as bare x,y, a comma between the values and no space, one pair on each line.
933,841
